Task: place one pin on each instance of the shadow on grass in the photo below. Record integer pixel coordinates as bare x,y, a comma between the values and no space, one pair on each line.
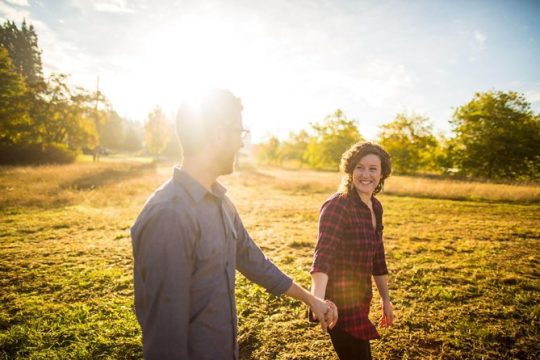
108,176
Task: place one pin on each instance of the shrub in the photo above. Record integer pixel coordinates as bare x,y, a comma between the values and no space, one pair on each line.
35,154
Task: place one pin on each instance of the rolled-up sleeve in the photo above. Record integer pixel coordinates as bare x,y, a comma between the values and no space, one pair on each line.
379,260
163,267
332,221
254,265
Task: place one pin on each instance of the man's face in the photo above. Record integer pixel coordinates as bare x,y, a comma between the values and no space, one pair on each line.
229,143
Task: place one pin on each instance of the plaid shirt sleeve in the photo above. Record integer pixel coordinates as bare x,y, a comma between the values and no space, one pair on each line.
379,259
332,222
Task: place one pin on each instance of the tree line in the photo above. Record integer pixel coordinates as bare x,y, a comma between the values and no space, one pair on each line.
43,119
496,135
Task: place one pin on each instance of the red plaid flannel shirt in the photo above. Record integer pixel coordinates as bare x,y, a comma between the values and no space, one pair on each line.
349,250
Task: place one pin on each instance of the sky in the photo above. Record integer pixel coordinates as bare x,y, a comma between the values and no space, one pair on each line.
292,62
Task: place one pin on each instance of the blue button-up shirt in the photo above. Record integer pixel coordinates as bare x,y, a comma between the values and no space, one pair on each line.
187,242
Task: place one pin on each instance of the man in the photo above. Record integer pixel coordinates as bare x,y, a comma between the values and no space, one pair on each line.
188,240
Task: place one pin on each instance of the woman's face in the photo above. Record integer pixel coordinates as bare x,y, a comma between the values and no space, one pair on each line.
367,174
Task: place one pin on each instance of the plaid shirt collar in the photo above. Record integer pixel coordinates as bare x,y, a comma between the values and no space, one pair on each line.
354,198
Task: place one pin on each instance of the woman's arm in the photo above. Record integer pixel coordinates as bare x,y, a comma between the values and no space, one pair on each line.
382,285
319,281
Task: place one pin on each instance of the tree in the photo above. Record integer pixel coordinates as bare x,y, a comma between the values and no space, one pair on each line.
497,136
410,142
269,152
14,120
333,136
133,136
63,116
295,146
22,45
111,132
157,131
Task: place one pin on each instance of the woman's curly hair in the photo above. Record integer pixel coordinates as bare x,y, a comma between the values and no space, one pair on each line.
351,157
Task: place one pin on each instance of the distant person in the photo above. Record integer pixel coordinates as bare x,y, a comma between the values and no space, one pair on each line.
188,242
350,251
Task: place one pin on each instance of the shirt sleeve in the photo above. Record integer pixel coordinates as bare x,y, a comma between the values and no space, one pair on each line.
163,267
379,259
332,222
254,265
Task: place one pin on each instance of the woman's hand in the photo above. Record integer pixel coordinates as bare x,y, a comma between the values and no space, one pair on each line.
322,312
387,316
334,313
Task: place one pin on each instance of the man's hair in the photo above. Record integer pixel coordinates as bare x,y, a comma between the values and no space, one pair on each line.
350,159
195,119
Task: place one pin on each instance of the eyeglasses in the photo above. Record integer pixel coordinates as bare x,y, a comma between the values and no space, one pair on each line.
243,132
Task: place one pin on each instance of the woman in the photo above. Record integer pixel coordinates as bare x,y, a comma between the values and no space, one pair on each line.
350,250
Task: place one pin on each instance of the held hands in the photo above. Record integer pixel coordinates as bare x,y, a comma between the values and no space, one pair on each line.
386,319
326,312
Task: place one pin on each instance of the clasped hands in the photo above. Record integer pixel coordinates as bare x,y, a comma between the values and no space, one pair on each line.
326,312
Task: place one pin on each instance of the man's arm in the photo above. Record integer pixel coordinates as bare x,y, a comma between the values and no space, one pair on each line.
163,267
254,265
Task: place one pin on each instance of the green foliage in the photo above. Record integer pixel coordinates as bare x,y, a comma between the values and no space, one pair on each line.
64,116
38,113
14,154
111,132
157,131
296,146
497,136
14,120
270,152
410,142
333,136
22,45
132,138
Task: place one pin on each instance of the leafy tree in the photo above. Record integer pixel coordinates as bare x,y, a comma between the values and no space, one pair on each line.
269,152
410,142
295,146
333,136
63,116
132,136
497,136
157,131
111,132
22,45
14,120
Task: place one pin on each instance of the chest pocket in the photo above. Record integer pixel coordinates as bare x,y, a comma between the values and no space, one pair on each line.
208,249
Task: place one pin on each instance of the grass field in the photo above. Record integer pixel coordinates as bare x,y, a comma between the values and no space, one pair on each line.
465,274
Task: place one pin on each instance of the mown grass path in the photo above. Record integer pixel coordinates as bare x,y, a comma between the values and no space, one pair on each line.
464,279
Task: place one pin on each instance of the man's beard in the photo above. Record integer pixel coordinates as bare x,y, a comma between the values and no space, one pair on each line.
226,163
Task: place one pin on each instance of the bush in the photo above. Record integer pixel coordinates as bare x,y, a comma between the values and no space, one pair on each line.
35,154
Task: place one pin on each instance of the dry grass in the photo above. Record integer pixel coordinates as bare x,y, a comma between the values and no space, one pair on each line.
465,278
319,181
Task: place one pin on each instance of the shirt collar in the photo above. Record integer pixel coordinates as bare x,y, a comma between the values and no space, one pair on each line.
194,188
356,198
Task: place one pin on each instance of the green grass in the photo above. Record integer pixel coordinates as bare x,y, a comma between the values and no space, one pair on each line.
465,275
